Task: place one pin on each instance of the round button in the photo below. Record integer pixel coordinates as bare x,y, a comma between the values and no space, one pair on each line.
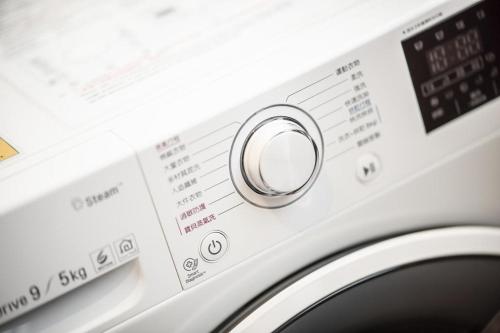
214,246
368,168
279,157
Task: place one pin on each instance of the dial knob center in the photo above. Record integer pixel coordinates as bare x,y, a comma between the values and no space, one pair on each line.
276,156
279,157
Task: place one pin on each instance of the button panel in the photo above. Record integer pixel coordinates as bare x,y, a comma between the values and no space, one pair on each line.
345,106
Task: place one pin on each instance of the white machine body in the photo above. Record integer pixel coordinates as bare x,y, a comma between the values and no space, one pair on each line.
129,205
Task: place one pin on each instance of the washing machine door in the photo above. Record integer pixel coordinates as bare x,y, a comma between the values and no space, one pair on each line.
443,280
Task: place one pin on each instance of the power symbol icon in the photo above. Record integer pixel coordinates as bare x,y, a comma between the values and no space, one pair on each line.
214,247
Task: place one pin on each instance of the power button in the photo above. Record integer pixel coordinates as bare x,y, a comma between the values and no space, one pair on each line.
214,246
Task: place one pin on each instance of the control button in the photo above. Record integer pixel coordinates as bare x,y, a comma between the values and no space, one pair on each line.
419,45
490,57
214,246
481,14
476,94
464,87
368,168
434,102
494,72
460,25
436,114
439,35
279,158
449,94
479,80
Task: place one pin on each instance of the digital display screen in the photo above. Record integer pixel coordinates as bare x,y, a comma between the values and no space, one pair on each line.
455,51
454,64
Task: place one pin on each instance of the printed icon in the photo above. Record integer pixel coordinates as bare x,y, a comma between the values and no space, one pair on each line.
490,57
434,102
464,87
439,35
77,204
190,264
214,247
478,80
494,72
126,247
449,94
481,14
436,114
460,25
368,167
476,94
102,259
419,45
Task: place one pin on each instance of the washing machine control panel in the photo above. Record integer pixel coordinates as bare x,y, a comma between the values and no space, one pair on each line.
328,140
298,155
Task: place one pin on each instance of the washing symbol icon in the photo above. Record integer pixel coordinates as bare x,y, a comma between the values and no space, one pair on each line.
101,257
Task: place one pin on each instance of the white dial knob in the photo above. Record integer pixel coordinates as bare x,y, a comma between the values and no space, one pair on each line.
279,157
276,156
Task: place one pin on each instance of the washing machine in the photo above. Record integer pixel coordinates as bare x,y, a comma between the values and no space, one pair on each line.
259,166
